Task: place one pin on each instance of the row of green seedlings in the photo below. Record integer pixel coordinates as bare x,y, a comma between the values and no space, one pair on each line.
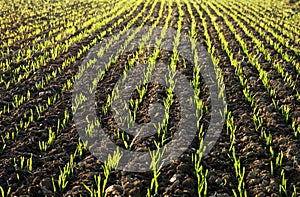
231,128
231,131
200,173
24,123
284,109
238,70
143,89
61,183
239,170
156,156
167,103
210,49
275,17
283,186
286,77
40,61
230,123
258,123
22,166
52,133
111,163
44,34
197,156
162,127
261,28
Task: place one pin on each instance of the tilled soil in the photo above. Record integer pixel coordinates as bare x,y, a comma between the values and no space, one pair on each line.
177,178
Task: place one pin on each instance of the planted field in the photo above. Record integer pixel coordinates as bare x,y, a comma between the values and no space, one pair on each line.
80,77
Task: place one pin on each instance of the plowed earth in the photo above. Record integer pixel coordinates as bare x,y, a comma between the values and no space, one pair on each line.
178,178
